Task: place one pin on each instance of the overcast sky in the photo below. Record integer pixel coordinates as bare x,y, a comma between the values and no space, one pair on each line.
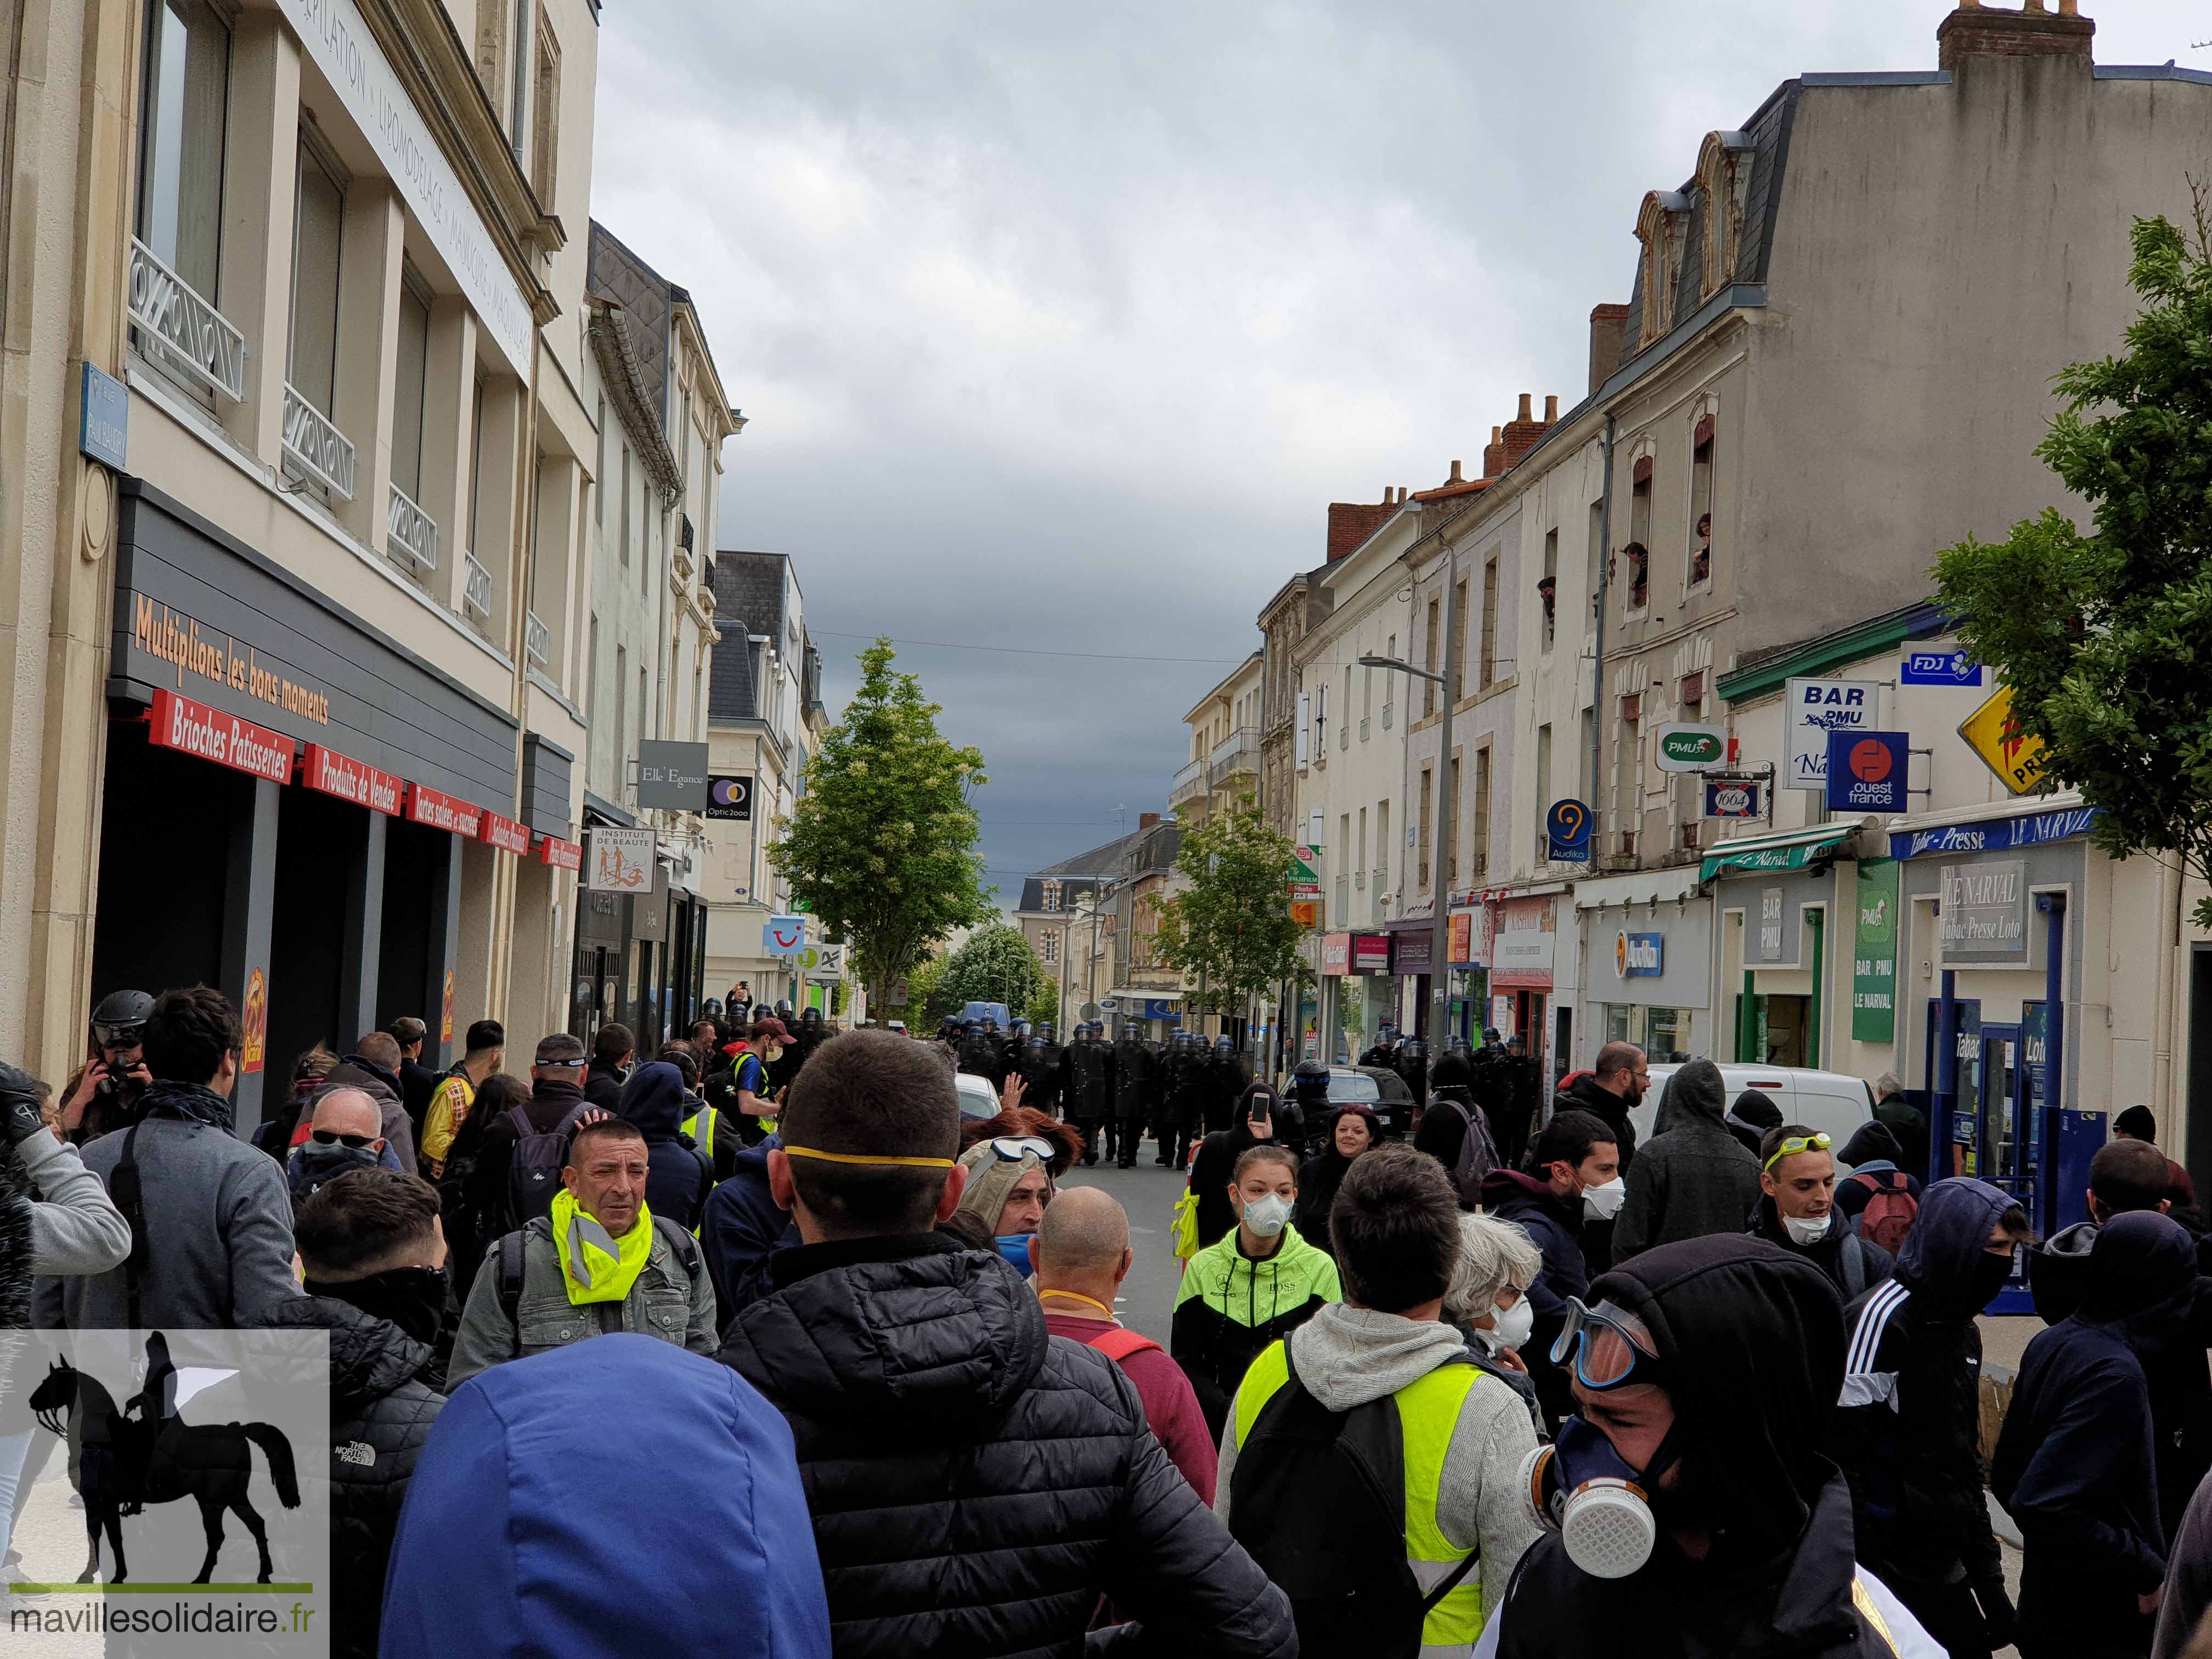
1060,326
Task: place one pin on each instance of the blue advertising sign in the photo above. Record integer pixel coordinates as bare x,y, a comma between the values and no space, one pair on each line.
1939,668
1567,828
1995,835
1639,956
1866,771
103,427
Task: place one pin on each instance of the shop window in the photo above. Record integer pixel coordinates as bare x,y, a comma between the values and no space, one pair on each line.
1701,503
414,373
1666,1035
1691,694
185,111
1049,948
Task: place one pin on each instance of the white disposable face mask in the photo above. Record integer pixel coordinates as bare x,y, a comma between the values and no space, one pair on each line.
1268,1216
1603,1203
1807,1231
1514,1326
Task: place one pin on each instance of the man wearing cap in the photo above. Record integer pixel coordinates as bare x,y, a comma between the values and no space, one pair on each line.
976,1486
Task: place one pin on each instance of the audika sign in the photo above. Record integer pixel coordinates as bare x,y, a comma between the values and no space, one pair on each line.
1639,956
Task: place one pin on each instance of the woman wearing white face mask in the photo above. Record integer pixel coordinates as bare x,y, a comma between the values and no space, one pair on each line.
1797,1210
1255,1283
1488,1300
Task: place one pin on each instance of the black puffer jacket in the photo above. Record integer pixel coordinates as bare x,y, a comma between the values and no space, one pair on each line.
975,1482
381,1411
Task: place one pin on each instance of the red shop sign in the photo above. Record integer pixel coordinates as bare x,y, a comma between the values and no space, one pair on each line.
443,811
505,834
180,723
351,780
561,855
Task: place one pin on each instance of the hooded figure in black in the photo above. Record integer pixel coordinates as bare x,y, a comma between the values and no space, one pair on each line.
1223,1084
1038,1061
1754,1548
1751,1117
1136,1090
2076,1467
1090,1088
1908,1432
677,1176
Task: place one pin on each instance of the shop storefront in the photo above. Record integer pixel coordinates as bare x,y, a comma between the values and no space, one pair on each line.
1774,897
1412,953
1469,990
297,809
1524,954
1647,951
1993,905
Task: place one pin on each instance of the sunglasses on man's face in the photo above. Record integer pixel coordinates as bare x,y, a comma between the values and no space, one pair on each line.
331,1138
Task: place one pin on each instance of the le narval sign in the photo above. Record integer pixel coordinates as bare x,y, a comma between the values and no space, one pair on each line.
202,617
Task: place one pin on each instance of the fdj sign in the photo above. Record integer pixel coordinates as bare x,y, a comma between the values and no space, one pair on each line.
1939,668
1639,956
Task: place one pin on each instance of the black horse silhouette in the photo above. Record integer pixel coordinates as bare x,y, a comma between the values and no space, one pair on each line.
119,1465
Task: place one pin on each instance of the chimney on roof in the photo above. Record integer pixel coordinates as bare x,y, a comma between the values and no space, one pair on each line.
1551,408
1524,413
1978,31
1609,328
1147,820
1454,478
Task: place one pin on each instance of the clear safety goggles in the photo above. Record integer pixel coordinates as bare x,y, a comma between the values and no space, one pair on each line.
1607,1350
1011,1148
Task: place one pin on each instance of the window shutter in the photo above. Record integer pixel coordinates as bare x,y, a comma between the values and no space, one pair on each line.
1704,434
1642,470
1303,727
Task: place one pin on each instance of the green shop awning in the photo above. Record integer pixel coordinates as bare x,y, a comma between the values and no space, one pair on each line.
1791,851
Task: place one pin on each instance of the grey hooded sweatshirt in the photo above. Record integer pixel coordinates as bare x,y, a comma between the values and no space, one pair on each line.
1693,1177
1347,1355
75,1229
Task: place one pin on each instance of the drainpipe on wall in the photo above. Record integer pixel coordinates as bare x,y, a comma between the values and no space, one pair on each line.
1597,659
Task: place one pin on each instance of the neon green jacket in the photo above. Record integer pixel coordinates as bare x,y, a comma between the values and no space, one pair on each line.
1231,1307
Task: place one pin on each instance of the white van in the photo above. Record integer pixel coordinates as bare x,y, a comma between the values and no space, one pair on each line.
1835,1101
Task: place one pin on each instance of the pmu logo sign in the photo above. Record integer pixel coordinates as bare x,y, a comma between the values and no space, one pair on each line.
1639,956
1866,771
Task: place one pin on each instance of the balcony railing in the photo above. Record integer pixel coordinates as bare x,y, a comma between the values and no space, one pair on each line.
411,535
1237,752
475,588
316,447
176,324
1189,780
537,638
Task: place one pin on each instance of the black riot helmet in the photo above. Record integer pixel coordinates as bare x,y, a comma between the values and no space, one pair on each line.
1415,1048
812,1016
783,1008
1455,1044
119,1020
1224,1045
1048,1032
1020,1031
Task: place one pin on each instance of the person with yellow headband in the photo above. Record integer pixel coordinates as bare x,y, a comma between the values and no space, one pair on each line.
976,1486
603,1262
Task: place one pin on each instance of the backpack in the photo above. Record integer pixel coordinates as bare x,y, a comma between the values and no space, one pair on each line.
1477,1149
1119,1342
533,1173
510,1265
1890,1213
1319,1504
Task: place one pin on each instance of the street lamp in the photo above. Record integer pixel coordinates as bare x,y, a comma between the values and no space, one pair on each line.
1447,809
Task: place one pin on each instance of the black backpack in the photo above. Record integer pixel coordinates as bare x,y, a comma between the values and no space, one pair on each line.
533,1173
1319,1501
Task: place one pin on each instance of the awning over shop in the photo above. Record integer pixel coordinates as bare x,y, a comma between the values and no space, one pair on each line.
1792,850
1637,887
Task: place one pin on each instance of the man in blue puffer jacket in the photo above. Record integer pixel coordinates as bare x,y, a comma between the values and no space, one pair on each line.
531,1530
679,1175
741,1229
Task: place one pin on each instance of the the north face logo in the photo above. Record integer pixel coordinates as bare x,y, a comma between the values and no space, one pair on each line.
357,1451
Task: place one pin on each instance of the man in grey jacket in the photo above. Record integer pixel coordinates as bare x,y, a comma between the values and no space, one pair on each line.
602,1263
373,1067
210,1220
1694,1176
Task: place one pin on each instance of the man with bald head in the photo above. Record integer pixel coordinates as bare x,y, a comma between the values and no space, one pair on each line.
348,1133
1080,1255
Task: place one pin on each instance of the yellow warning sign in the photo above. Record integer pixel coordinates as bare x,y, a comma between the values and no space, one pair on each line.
2016,757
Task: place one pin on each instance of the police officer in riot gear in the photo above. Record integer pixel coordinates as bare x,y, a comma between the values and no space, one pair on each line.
1037,1062
1091,1090
1306,1116
1386,1042
982,1054
1136,1090
1182,1103
1410,1063
813,1031
1222,1083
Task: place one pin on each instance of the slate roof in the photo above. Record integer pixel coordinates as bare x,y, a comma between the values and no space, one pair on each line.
749,590
649,299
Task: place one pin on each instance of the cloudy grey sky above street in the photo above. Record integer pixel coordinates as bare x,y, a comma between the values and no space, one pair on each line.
1059,327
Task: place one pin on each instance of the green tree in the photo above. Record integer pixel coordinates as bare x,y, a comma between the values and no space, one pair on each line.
1232,926
882,844
997,963
925,995
2104,638
1044,1005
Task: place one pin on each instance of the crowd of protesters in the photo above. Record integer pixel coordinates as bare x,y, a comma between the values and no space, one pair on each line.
1520,1387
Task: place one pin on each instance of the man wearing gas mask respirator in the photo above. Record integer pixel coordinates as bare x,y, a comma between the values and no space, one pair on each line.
1688,1509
